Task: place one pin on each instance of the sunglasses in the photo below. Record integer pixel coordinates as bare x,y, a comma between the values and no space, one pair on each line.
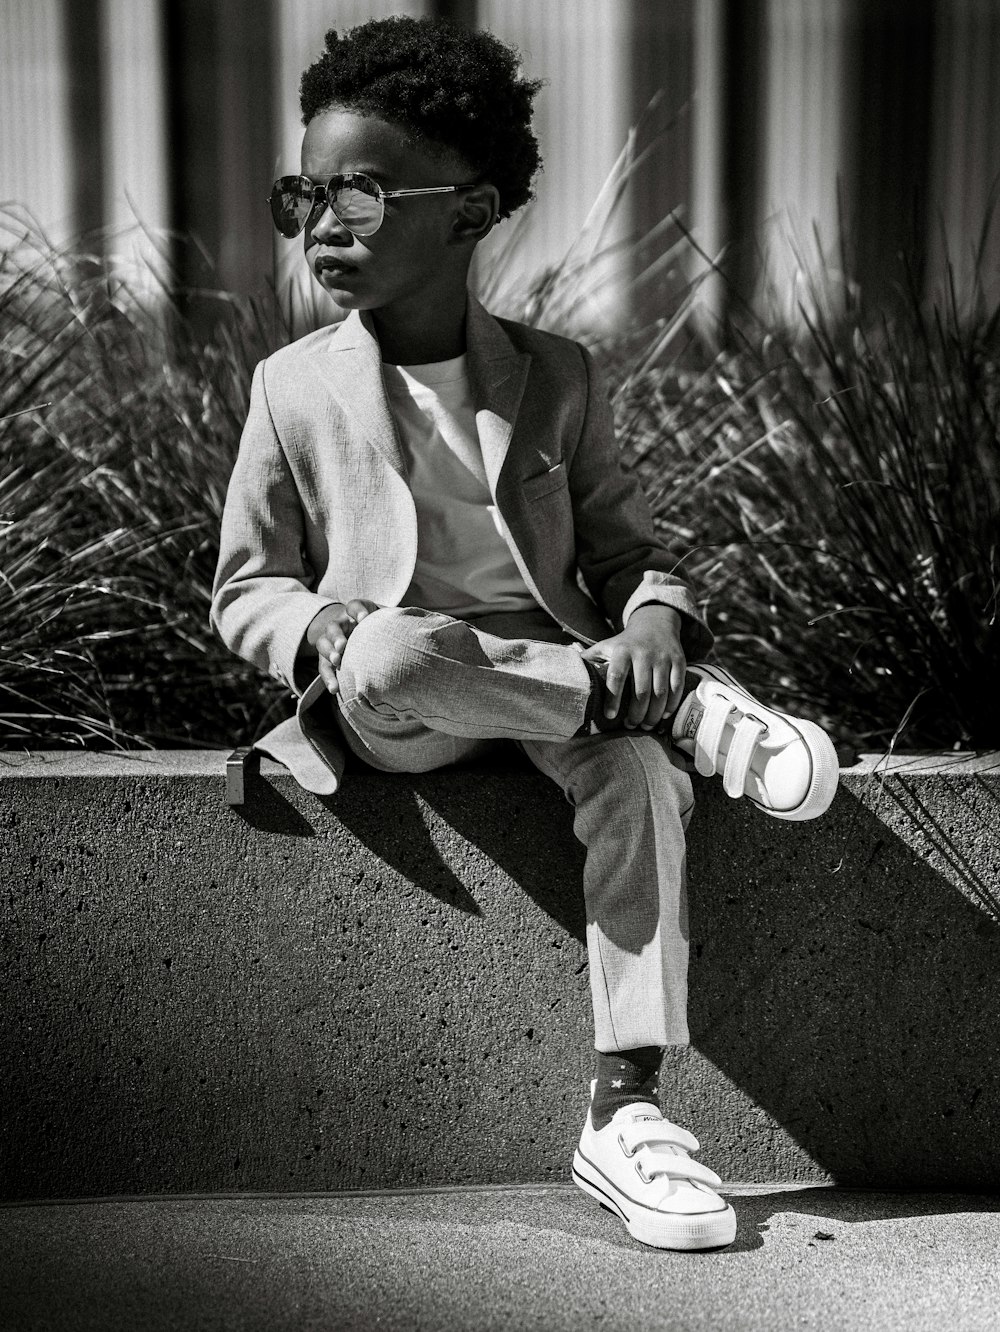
356,201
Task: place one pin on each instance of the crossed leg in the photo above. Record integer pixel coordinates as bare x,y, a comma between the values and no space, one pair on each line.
420,690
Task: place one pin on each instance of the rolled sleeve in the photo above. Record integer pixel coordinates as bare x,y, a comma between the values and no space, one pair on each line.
658,589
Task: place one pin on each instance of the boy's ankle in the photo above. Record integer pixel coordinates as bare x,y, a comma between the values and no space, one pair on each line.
596,720
623,1077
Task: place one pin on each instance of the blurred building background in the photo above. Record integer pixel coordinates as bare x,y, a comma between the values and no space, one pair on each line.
780,131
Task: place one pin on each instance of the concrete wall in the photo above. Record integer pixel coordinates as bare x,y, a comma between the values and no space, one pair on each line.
390,987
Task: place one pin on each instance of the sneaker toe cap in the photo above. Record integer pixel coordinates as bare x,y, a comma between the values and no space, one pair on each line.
687,1199
784,773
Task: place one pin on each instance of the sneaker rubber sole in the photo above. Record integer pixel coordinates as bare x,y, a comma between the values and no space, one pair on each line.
660,1230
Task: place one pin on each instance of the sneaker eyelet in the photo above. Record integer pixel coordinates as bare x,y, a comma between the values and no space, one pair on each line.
621,1144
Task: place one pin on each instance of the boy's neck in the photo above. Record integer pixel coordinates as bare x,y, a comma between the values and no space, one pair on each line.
422,332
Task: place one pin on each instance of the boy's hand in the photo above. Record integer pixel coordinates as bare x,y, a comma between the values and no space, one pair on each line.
329,631
649,649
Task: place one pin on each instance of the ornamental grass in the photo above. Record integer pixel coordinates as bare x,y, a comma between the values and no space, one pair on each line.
833,488
118,430
838,491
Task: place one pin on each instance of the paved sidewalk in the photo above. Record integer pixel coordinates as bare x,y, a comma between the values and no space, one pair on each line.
492,1258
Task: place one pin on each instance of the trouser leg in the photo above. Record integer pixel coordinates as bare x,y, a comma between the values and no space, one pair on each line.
632,800
419,689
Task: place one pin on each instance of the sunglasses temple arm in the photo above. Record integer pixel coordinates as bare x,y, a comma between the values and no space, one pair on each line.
434,189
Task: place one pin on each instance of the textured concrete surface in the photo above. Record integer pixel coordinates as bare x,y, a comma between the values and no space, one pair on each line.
545,1258
390,986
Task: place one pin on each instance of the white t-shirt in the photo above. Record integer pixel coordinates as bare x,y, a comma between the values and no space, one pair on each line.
464,566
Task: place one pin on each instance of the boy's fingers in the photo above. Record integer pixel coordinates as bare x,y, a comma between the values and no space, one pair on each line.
642,684
327,645
329,675
678,671
659,697
358,609
614,684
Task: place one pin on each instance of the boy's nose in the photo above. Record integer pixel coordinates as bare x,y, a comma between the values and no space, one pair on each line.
329,228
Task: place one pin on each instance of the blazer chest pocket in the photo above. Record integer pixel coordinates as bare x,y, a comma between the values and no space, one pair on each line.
534,487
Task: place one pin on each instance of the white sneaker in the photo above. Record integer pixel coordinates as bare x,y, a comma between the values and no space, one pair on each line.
638,1167
786,765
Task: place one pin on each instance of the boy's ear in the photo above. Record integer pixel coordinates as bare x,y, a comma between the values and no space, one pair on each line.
477,214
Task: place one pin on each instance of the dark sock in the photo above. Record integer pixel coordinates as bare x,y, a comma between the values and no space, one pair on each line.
623,1077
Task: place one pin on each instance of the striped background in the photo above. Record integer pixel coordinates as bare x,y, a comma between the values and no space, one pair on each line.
779,118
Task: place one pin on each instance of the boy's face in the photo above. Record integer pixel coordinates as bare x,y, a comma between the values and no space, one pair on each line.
414,247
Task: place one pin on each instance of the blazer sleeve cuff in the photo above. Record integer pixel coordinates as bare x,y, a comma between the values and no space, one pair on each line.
660,589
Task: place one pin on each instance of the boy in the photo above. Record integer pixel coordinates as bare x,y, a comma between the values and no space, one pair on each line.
415,493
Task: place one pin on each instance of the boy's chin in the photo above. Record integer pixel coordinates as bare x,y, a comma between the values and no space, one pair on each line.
344,300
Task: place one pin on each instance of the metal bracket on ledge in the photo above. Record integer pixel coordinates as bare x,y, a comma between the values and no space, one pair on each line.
237,766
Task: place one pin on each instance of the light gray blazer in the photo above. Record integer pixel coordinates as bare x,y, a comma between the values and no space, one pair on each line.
319,509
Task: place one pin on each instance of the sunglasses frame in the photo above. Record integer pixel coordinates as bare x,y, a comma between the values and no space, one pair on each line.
323,195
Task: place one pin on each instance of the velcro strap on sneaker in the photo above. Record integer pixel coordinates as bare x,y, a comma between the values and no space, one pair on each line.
655,1133
709,737
748,732
676,1165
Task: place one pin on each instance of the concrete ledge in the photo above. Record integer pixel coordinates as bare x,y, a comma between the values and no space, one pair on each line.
389,987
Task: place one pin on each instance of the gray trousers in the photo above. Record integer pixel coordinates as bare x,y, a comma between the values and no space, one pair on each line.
419,690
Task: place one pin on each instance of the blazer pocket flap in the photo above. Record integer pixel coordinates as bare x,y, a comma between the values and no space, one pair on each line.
533,487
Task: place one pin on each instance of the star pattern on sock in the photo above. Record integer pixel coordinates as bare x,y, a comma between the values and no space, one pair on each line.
624,1078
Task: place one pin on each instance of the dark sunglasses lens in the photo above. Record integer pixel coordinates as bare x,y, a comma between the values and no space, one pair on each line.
291,203
358,204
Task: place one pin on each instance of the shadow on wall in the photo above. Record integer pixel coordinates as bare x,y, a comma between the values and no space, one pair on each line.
844,973
196,999
845,977
396,830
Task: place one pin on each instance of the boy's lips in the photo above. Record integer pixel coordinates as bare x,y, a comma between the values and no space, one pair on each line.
328,264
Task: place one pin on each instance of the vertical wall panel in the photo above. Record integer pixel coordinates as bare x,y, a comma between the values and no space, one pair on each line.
660,86
34,134
246,129
134,126
82,47
582,115
965,146
730,58
890,140
806,109
708,219
219,57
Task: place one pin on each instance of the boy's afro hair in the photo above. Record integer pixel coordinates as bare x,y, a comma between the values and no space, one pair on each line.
447,86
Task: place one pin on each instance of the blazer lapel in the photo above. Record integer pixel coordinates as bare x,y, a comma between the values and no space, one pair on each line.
498,374
356,382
